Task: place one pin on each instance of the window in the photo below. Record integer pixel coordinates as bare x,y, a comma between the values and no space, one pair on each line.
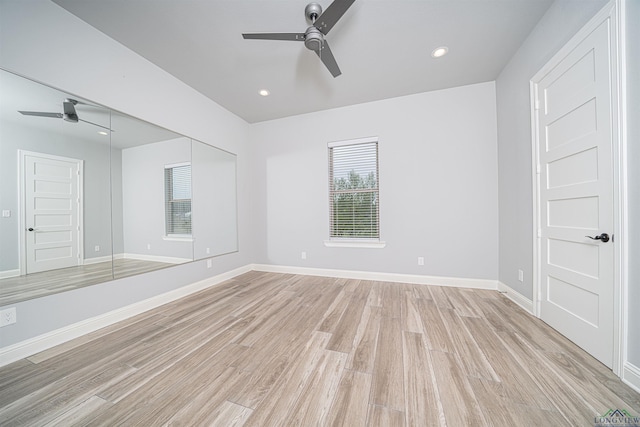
353,189
177,191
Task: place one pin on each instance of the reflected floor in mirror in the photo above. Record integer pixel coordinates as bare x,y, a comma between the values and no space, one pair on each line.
16,289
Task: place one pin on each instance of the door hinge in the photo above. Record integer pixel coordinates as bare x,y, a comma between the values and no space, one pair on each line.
538,169
536,102
539,233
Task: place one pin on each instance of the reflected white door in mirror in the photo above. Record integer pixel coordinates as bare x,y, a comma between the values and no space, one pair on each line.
51,202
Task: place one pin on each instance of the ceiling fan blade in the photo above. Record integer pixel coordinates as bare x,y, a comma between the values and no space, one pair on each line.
41,114
331,15
328,60
95,124
275,36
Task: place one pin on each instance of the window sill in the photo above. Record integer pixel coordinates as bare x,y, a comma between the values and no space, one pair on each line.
348,243
178,238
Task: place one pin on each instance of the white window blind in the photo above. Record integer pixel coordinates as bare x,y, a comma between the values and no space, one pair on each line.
177,190
353,190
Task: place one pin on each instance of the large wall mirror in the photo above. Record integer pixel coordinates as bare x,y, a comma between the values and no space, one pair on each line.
89,194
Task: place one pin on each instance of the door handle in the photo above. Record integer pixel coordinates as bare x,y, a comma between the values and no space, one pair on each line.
30,229
604,237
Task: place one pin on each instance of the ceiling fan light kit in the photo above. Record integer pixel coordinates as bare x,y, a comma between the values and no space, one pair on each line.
322,23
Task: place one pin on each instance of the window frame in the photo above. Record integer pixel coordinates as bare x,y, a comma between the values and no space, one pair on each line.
354,241
168,200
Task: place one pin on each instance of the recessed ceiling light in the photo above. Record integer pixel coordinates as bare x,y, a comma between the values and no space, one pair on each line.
264,92
102,132
440,51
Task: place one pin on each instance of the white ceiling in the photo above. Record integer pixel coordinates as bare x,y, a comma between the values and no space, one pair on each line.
383,47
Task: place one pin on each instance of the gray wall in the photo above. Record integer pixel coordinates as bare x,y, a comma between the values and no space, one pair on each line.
438,185
515,194
633,167
107,73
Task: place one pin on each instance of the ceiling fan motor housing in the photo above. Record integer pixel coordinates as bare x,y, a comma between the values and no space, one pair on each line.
312,11
313,39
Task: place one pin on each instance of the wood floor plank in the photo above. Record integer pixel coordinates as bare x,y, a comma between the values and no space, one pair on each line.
80,414
202,407
351,403
440,297
474,361
519,386
391,300
434,328
334,312
380,416
254,351
313,404
388,372
420,392
346,328
273,411
461,407
229,415
48,403
490,397
365,342
411,320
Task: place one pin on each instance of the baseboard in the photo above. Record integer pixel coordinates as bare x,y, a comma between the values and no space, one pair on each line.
457,282
631,376
97,260
516,297
9,273
156,258
43,342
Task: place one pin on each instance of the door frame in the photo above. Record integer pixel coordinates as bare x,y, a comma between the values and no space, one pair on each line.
614,12
22,209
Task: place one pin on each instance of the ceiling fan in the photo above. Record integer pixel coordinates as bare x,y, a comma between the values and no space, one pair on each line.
68,114
321,24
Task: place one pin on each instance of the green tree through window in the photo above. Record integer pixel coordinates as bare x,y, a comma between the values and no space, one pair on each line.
353,170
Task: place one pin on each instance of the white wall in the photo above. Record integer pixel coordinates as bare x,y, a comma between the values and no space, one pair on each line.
438,185
558,25
40,40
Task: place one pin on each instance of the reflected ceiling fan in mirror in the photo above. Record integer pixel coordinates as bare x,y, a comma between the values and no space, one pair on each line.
69,113
313,38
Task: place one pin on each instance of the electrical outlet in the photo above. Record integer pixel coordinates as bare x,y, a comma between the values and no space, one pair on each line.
97,248
420,260
209,263
8,316
208,251
6,213
521,275
303,255
148,246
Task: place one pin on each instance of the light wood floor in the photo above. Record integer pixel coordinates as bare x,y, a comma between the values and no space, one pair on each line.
36,285
270,349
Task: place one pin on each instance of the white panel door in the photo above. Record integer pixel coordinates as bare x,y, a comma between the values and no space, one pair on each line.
576,196
52,212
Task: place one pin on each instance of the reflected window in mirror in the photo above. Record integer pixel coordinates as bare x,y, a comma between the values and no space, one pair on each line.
177,184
